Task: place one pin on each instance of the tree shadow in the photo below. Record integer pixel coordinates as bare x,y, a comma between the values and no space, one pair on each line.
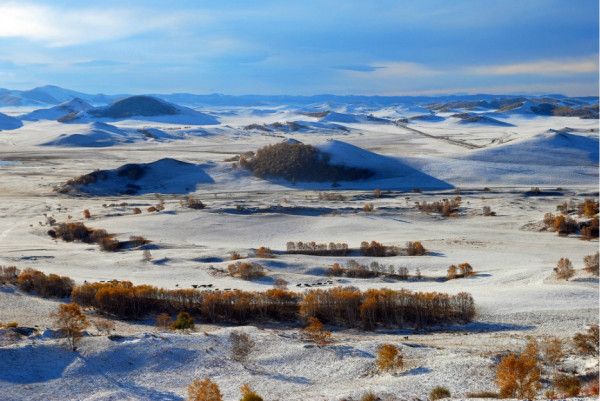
421,370
34,363
489,327
140,392
280,376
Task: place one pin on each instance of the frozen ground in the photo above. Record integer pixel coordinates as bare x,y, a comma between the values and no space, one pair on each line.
515,292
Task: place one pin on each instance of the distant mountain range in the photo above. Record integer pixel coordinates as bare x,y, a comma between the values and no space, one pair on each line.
51,95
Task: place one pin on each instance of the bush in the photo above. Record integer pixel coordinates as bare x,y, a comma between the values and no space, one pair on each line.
377,249
146,255
52,285
87,214
354,270
552,351
299,162
331,196
564,269
445,207
184,321
71,232
466,270
78,232
246,271
316,333
192,203
589,229
264,253
439,392
452,272
204,390
137,210
518,376
8,274
487,211
563,225
482,394
241,346
587,343
104,326
280,283
163,321
138,240
336,270
389,357
591,263
415,249
592,388
568,385
370,396
249,395
588,208
235,255
368,207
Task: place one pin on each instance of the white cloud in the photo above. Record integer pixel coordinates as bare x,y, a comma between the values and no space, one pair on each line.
394,69
68,26
541,67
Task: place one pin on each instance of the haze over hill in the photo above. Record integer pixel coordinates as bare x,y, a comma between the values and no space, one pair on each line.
53,95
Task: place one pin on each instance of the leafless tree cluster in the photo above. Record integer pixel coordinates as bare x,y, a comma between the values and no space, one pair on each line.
348,307
313,248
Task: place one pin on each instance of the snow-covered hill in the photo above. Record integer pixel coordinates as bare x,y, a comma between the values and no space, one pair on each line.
63,110
166,175
144,108
9,123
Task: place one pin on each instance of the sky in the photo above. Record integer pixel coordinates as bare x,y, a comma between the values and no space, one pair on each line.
420,47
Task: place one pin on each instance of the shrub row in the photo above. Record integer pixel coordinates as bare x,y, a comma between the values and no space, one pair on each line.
565,225
36,282
445,207
373,248
312,248
347,307
79,232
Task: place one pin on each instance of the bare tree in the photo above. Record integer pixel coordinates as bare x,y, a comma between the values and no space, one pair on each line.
241,346
71,322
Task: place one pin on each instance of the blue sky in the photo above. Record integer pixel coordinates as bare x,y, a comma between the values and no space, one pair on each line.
304,47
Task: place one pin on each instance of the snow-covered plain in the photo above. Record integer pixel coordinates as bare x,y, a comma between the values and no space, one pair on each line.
515,291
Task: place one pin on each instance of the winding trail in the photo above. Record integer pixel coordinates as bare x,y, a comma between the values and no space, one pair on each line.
441,138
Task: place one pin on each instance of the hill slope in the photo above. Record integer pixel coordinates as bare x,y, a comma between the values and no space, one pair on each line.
8,122
58,112
145,108
552,148
169,176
